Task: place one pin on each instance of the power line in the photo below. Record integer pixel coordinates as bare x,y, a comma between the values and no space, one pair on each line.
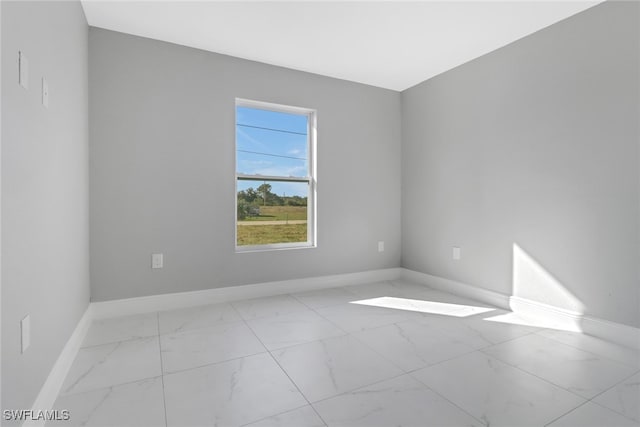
272,155
271,129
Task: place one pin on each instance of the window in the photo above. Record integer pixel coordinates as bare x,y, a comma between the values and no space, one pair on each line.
275,176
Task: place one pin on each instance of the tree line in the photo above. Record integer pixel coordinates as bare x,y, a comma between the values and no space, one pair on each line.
250,200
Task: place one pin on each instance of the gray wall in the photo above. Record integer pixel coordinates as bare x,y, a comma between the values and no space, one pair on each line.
537,145
1,406
45,240
162,169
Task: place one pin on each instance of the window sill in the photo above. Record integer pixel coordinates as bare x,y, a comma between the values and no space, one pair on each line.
274,247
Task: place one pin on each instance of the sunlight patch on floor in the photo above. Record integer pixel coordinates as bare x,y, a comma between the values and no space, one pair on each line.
547,323
430,307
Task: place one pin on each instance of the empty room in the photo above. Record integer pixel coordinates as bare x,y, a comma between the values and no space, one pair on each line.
320,213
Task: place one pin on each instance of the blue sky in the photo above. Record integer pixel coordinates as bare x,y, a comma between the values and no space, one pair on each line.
272,143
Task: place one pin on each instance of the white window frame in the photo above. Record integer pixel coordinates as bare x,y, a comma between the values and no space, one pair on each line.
311,178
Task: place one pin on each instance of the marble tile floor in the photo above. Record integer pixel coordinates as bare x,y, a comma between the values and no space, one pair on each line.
380,354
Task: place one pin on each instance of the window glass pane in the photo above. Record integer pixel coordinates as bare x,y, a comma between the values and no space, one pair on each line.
271,143
271,212
272,119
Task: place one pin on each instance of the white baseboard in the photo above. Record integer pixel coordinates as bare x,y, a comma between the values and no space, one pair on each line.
458,288
49,392
173,301
540,313
615,332
51,388
546,315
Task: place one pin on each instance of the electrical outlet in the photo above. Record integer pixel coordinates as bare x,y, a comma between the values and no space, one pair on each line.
457,254
23,70
25,332
45,93
381,246
157,260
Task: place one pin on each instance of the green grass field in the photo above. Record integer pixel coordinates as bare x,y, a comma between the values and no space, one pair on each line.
279,213
274,233
268,234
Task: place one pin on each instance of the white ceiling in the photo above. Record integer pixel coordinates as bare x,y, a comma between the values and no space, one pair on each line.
391,44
